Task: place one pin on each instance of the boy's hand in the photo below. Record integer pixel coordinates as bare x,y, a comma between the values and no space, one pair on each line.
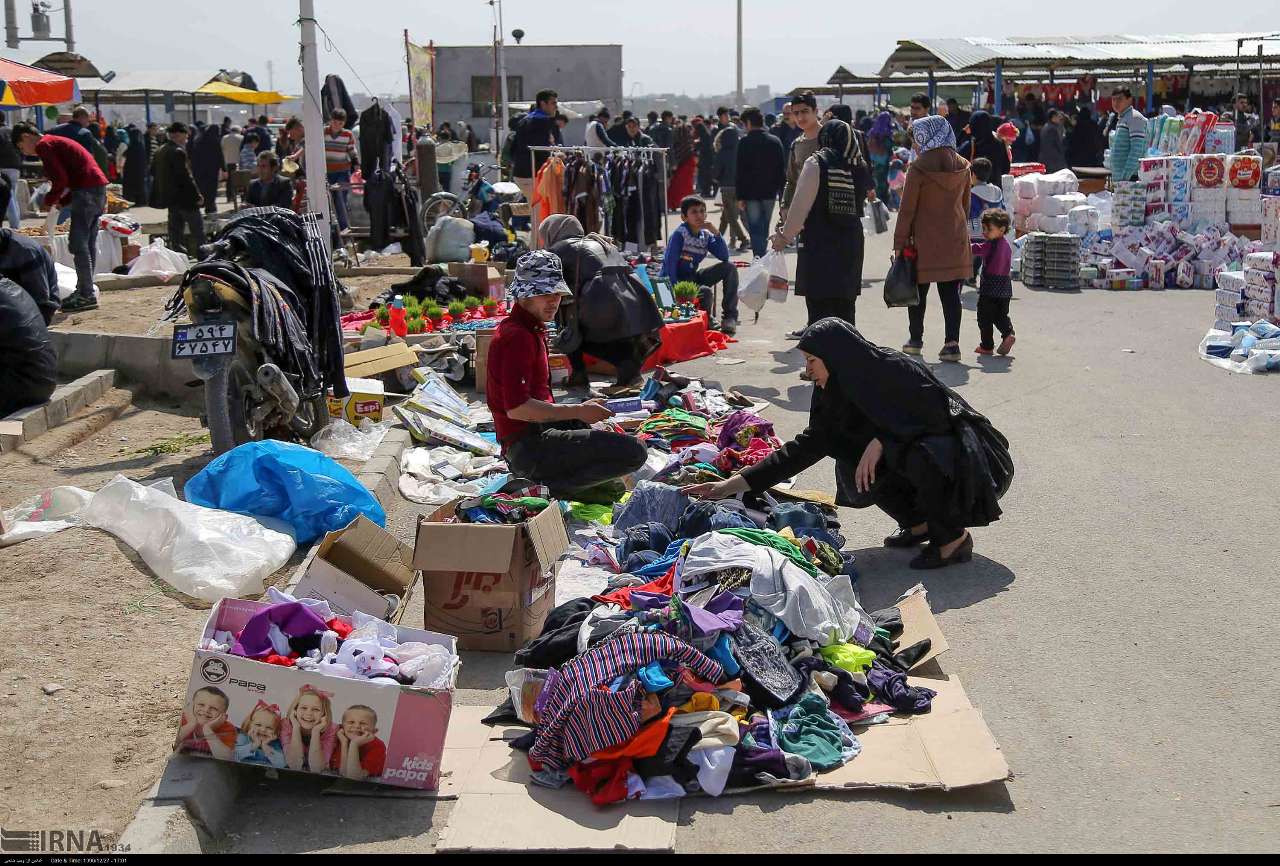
211,728
342,737
362,739
593,411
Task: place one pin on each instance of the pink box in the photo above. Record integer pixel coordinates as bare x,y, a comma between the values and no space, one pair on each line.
408,722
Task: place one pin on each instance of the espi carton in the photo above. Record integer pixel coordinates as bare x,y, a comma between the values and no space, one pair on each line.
237,699
361,567
490,585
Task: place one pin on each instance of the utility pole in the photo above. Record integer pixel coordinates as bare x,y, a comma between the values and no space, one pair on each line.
66,19
313,120
502,73
740,91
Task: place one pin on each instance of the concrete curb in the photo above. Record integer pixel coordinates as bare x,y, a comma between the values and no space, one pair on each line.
62,404
140,359
194,798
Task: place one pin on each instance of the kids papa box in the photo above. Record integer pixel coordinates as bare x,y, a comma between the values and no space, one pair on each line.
408,723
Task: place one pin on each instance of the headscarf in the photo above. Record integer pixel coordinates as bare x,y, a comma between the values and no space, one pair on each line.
837,144
539,272
559,227
882,129
932,132
980,125
901,398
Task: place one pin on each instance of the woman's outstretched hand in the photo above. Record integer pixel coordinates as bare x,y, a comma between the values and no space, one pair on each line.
865,476
716,489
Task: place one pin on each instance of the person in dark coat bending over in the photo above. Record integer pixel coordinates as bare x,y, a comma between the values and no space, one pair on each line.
902,441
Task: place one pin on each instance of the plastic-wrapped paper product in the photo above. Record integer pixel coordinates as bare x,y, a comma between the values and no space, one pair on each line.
1006,187
1209,170
1083,219
1060,204
1244,171
1058,183
1025,186
1053,224
1262,260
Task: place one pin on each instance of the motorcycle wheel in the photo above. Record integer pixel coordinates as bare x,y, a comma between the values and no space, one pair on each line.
438,205
313,416
229,403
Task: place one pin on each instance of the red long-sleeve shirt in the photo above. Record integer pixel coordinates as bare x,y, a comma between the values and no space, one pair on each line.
69,167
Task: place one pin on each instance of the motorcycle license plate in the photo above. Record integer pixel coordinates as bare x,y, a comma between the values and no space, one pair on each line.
200,341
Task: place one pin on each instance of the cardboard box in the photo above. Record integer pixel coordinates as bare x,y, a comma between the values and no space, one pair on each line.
366,400
492,586
487,280
355,566
484,339
559,367
383,359
411,722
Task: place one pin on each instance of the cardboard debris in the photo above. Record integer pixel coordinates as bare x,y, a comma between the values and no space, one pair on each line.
383,359
366,399
499,809
491,586
355,565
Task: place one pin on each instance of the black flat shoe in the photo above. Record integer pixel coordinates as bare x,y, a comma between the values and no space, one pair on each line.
929,558
905,538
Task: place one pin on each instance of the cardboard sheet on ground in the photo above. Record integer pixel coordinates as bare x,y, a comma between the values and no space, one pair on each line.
499,809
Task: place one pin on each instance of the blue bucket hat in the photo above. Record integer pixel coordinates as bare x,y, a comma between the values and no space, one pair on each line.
539,273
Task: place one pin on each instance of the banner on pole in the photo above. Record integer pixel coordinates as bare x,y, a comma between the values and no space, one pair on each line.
422,67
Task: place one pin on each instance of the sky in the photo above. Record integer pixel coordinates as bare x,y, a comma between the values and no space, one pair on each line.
668,45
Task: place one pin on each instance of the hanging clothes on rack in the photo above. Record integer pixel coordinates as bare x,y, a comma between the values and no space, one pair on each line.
548,188
377,135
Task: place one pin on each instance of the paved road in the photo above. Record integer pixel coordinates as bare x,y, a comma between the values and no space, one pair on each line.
1106,628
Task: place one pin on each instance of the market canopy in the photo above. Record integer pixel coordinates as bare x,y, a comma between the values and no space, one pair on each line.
22,85
150,81
232,93
1095,53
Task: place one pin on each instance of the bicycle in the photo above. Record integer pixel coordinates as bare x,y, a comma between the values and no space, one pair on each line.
480,196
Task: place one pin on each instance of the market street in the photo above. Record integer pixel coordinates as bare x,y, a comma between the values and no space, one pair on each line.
1135,543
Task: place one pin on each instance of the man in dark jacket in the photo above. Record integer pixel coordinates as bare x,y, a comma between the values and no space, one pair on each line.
785,130
535,129
173,186
77,129
661,131
632,136
269,189
28,264
726,173
761,175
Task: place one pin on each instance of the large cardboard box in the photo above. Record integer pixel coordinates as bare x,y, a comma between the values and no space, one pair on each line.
356,566
484,339
410,722
491,586
485,280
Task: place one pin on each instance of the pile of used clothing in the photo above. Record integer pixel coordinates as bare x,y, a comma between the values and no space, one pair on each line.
306,634
726,649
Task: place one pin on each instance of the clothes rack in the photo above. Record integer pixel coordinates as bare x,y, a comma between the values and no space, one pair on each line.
552,149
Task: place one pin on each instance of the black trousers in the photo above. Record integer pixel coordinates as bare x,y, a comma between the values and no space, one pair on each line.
993,312
949,292
840,308
726,272
910,505
573,457
186,222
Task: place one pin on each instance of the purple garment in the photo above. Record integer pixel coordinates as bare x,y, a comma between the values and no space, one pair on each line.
891,687
648,600
294,618
997,256
722,613
736,422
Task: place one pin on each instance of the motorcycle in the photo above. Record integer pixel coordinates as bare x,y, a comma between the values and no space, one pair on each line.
480,195
259,337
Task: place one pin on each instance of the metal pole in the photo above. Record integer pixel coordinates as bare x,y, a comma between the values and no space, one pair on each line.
1262,105
66,20
879,95
312,121
1190,71
194,116
11,38
408,68
1151,87
146,101
1239,79
740,98
502,77
933,92
999,88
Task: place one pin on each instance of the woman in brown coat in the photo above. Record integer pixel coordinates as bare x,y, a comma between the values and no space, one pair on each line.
935,206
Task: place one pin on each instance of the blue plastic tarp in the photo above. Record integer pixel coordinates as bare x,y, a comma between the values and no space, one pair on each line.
310,491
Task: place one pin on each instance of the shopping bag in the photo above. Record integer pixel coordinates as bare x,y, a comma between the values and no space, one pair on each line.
900,288
880,216
753,286
779,280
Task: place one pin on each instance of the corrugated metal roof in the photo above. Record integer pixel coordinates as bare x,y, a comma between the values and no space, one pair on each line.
156,81
1094,52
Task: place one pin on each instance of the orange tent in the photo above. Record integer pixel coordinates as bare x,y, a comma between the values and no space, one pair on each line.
25,85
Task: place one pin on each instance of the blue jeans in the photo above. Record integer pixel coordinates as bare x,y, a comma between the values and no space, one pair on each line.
343,178
759,214
87,206
15,212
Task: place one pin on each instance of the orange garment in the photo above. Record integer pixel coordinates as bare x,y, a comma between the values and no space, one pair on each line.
548,188
644,744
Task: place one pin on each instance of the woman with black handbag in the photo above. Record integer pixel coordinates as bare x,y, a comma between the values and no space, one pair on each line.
902,441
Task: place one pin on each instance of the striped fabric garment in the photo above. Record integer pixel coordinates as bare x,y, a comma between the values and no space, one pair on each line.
842,194
339,150
582,716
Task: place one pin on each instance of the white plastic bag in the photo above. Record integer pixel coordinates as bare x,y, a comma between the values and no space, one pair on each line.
55,509
779,280
158,259
339,438
204,552
450,239
753,286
